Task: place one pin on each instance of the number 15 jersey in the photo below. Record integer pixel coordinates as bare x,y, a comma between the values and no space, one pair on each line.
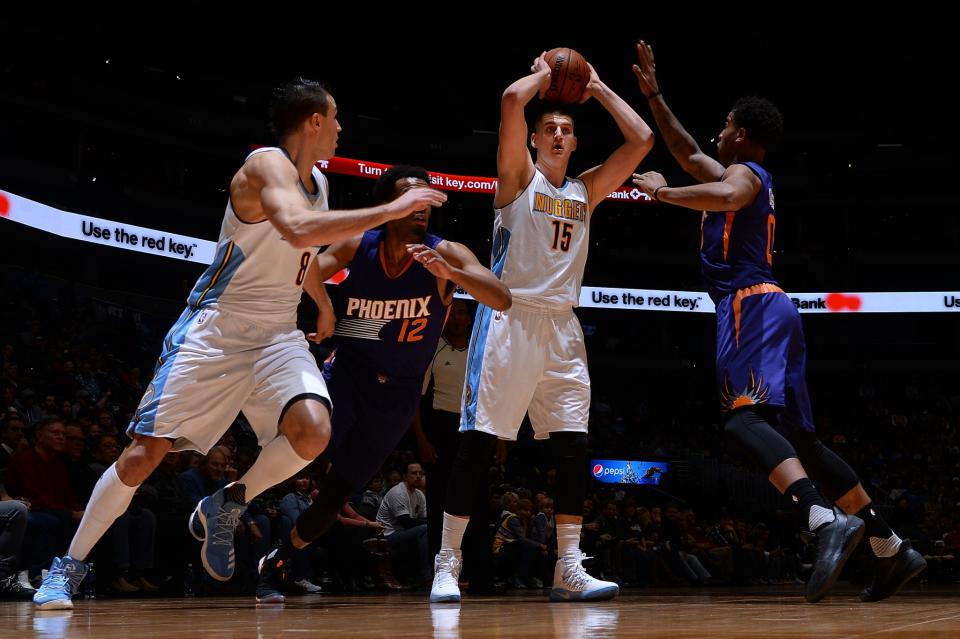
540,243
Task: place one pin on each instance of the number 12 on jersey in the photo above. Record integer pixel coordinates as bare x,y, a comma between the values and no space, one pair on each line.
413,335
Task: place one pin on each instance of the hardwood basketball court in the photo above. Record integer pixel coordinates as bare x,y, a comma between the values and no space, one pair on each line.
773,613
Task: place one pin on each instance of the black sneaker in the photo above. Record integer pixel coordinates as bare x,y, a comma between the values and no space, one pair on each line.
11,588
893,572
836,541
272,579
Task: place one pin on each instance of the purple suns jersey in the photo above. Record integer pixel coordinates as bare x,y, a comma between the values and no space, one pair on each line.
388,324
736,247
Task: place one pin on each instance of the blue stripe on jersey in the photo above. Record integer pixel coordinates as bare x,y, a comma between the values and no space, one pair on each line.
478,342
499,257
214,280
143,420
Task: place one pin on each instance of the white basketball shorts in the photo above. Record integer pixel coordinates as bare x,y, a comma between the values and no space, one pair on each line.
526,359
215,364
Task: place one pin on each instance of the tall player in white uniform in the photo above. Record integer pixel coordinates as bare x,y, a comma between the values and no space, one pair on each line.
236,346
531,358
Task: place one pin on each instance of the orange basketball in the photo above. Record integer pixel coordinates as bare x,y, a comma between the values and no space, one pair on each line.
569,75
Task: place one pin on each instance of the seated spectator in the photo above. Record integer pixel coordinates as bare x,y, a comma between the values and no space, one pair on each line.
13,525
78,461
370,500
638,561
129,542
291,507
39,475
31,412
608,542
514,554
403,514
207,478
165,497
12,429
543,531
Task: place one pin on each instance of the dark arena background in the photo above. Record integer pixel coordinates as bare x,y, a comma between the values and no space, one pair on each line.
111,123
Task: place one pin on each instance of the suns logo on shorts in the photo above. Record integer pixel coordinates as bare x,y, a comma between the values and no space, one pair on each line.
755,392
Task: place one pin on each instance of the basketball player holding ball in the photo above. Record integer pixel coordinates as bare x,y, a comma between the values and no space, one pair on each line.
531,358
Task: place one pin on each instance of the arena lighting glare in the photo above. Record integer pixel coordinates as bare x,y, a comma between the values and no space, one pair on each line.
183,247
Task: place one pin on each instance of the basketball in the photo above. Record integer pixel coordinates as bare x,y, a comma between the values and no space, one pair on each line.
569,75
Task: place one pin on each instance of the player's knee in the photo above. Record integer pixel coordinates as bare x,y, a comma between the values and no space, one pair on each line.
141,458
750,430
306,426
807,445
835,476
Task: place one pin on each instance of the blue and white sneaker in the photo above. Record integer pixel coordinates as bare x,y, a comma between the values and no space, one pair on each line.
213,522
572,583
61,583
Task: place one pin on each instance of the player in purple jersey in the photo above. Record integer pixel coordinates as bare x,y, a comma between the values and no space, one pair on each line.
387,318
761,353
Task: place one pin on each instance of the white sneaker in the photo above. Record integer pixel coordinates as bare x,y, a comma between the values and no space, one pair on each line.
572,583
308,586
446,572
24,578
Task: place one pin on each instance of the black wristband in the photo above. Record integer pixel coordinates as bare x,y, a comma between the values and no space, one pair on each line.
657,190
653,95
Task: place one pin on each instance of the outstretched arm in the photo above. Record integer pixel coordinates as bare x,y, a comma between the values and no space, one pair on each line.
737,188
275,179
684,149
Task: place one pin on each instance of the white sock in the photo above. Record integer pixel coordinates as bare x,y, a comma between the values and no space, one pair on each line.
568,539
277,462
819,516
109,500
885,547
453,529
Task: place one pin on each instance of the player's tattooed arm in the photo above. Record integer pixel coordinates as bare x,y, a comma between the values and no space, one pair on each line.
683,147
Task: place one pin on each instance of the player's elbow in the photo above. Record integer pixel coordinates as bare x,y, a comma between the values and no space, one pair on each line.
732,200
647,138
511,100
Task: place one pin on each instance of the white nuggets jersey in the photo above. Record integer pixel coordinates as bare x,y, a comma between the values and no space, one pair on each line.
540,243
256,273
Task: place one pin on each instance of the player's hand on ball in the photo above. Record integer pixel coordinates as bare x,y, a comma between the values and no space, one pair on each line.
540,66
